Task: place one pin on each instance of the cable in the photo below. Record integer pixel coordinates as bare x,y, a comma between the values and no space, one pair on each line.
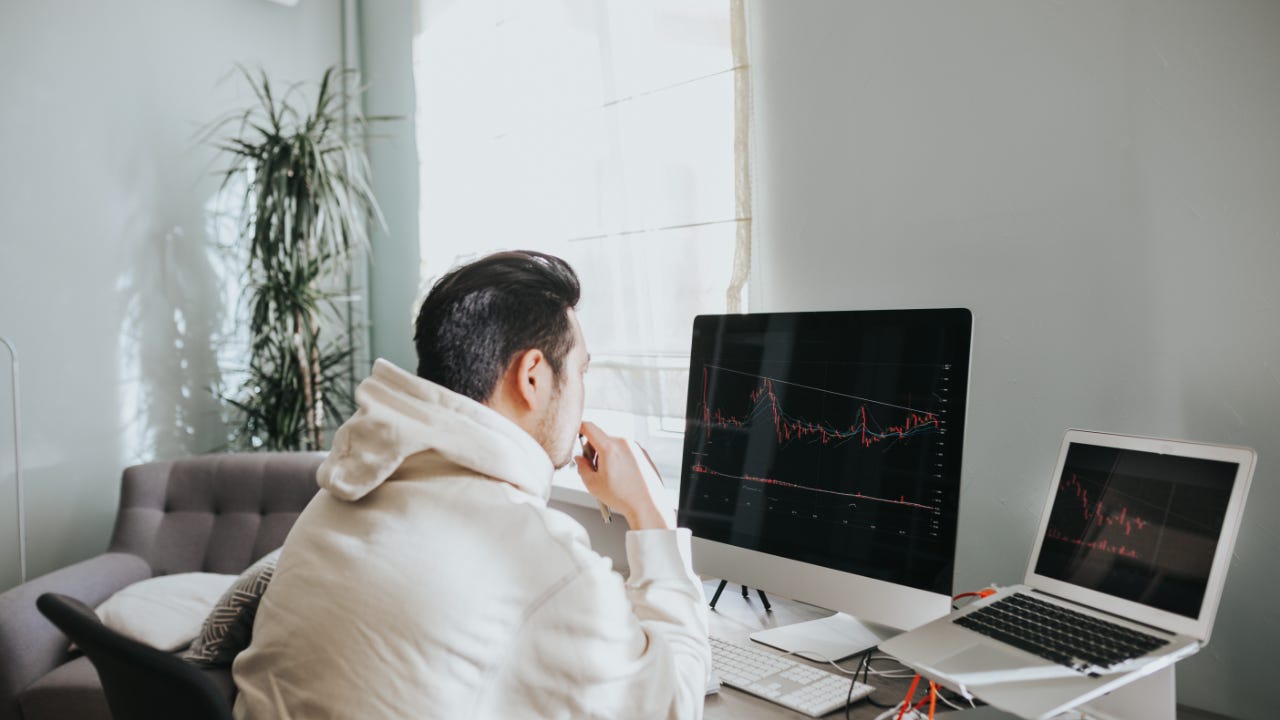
815,656
891,674
950,704
986,592
907,673
911,693
864,668
913,715
853,682
867,671
930,697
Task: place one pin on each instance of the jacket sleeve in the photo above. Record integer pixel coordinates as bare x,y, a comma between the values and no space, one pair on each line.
633,650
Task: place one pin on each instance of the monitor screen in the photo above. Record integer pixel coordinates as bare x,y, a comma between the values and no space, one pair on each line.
1141,526
830,438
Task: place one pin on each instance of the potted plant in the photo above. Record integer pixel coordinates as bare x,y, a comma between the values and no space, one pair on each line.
306,205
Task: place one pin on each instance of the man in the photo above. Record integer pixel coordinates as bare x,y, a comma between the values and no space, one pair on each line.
429,579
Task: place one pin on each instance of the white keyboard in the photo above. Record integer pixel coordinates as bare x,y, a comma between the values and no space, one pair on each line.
779,679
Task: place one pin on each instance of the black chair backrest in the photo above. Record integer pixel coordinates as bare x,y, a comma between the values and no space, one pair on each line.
140,682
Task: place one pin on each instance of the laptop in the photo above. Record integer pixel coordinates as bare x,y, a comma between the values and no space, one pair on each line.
1124,579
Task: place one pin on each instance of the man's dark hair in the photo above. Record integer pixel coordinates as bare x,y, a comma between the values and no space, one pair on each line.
479,316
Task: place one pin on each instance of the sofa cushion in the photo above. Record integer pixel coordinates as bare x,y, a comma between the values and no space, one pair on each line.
227,629
212,513
71,690
164,612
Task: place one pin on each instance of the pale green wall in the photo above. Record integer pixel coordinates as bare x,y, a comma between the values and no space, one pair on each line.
386,44
105,282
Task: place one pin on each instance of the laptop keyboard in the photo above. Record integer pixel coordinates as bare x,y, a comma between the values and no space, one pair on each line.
1058,634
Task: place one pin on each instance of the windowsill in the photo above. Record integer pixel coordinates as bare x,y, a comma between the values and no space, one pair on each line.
567,487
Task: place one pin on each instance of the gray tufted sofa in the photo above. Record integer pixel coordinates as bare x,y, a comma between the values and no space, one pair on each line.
213,513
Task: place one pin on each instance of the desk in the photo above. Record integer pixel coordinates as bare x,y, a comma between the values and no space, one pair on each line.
734,619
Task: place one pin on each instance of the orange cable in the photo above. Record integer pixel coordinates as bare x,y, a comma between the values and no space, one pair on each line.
911,693
986,592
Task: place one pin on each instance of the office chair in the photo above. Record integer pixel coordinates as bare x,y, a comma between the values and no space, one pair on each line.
140,682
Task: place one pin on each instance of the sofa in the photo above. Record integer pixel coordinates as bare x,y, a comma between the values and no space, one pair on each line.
212,513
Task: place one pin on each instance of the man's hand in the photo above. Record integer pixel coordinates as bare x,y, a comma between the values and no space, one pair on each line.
616,480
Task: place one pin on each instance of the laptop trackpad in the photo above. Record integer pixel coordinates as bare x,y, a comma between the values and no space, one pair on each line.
983,664
981,658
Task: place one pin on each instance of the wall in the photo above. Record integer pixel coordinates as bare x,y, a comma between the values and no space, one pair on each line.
386,33
1098,182
108,284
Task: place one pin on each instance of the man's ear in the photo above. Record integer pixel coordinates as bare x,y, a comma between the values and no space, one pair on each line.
531,376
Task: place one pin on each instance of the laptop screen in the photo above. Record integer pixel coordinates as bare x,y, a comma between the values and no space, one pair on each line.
1137,525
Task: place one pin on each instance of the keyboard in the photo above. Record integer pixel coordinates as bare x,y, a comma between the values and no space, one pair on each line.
779,679
1061,635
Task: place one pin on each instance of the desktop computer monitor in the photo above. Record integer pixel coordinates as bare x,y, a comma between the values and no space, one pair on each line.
822,463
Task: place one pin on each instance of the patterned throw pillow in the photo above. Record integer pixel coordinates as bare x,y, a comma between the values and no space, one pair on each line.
227,629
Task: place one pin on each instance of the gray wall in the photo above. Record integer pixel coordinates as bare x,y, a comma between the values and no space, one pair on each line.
1099,182
107,284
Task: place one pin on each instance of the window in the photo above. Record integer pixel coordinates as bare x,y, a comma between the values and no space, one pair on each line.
610,133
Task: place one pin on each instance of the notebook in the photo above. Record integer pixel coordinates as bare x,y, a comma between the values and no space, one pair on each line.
1123,580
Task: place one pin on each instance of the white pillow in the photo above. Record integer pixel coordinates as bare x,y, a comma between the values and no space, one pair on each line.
164,612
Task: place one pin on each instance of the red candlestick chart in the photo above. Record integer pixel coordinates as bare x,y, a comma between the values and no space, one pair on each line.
1091,523
874,424
865,429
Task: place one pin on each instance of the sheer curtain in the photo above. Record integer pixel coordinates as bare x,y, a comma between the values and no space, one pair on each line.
614,134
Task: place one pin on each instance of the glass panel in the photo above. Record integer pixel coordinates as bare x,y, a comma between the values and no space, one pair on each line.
601,132
640,292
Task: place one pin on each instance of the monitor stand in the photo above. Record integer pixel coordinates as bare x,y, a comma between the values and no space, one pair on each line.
830,638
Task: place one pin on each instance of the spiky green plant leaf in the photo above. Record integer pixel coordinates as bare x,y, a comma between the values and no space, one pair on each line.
307,202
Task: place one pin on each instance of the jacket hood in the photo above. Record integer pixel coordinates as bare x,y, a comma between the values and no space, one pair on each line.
399,415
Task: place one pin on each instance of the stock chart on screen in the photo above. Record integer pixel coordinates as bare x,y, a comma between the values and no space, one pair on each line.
1137,525
830,438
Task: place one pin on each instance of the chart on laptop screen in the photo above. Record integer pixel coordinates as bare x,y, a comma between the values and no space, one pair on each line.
1137,525
832,444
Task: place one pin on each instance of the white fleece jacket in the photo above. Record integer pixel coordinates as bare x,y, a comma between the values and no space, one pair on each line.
429,579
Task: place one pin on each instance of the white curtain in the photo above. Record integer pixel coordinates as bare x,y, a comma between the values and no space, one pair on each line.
612,133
